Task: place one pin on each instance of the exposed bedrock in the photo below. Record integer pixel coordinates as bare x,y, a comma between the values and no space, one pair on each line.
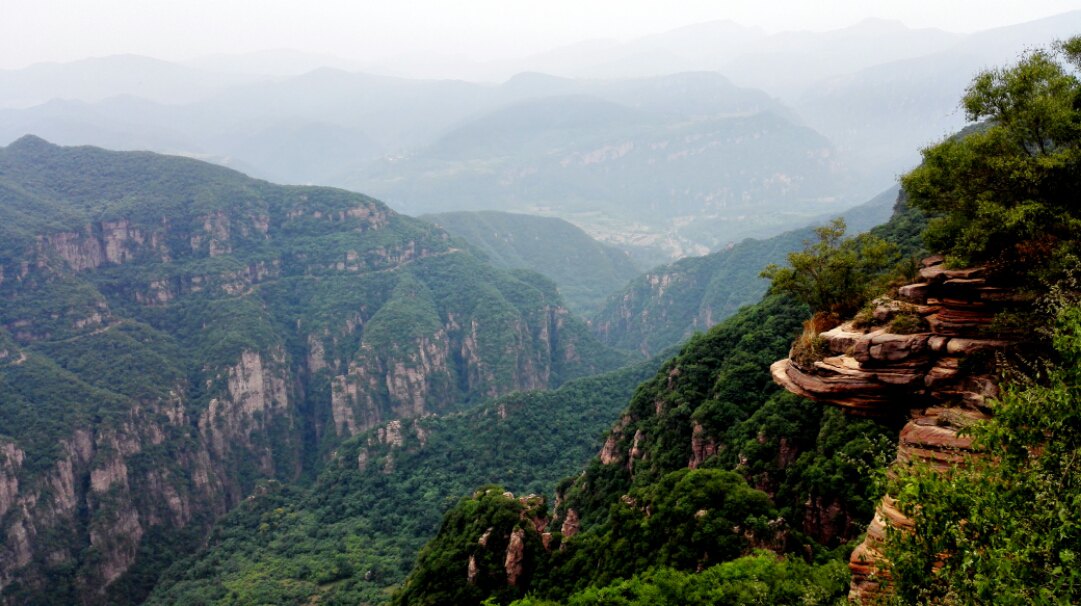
925,354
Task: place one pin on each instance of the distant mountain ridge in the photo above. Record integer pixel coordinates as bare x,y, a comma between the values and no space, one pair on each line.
851,105
669,303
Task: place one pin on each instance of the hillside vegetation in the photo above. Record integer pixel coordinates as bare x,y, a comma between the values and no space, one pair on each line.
711,460
667,304
585,270
174,332
357,530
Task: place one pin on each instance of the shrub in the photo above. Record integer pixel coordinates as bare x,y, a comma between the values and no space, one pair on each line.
908,323
834,274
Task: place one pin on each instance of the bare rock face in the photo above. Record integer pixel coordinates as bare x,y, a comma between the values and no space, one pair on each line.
933,375
257,392
514,562
93,477
99,477
411,380
702,447
571,524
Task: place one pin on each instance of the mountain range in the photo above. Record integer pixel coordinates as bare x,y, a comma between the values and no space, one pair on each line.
809,109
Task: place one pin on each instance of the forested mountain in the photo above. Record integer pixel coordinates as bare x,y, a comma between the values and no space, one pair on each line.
218,390
681,482
696,180
585,270
669,303
173,332
602,153
723,481
356,531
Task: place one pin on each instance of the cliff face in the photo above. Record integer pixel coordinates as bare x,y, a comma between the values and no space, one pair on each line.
928,355
172,332
711,406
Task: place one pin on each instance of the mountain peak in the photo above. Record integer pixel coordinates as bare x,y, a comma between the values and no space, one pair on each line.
29,143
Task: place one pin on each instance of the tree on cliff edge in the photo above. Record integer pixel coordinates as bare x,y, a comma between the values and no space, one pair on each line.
1009,191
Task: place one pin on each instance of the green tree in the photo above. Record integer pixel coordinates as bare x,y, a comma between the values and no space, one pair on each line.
835,274
1004,528
1006,190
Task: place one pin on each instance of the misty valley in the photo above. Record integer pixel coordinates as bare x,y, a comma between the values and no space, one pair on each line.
713,315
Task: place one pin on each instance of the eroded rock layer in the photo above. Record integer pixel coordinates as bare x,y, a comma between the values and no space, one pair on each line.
927,353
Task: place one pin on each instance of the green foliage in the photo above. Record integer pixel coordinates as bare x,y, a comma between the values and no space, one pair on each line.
670,303
131,285
908,323
759,579
652,511
1006,191
378,518
478,529
687,519
1005,526
587,271
720,382
715,405
834,275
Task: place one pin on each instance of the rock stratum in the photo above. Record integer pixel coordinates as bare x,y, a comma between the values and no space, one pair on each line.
172,333
926,354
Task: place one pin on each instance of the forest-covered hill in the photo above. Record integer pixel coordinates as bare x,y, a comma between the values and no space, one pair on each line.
585,270
174,332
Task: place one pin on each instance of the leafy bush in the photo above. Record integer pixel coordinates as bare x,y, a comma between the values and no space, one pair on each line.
834,274
1003,528
758,579
908,323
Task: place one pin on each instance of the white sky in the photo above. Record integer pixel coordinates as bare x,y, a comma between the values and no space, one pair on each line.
32,31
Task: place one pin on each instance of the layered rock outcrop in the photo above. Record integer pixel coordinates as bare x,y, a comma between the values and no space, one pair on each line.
925,354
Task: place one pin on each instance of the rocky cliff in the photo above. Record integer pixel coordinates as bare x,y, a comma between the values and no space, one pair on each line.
925,354
172,332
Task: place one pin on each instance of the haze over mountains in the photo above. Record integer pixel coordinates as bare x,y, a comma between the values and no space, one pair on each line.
673,144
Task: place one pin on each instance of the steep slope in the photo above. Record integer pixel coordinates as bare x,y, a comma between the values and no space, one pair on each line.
671,302
708,461
175,331
585,270
928,354
358,529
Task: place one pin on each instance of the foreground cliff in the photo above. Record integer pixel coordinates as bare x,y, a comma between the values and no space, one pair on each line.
709,462
928,355
171,332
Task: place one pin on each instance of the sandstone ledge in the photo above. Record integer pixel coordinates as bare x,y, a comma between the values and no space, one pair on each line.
939,377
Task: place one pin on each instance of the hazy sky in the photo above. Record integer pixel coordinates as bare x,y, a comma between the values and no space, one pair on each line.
59,30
